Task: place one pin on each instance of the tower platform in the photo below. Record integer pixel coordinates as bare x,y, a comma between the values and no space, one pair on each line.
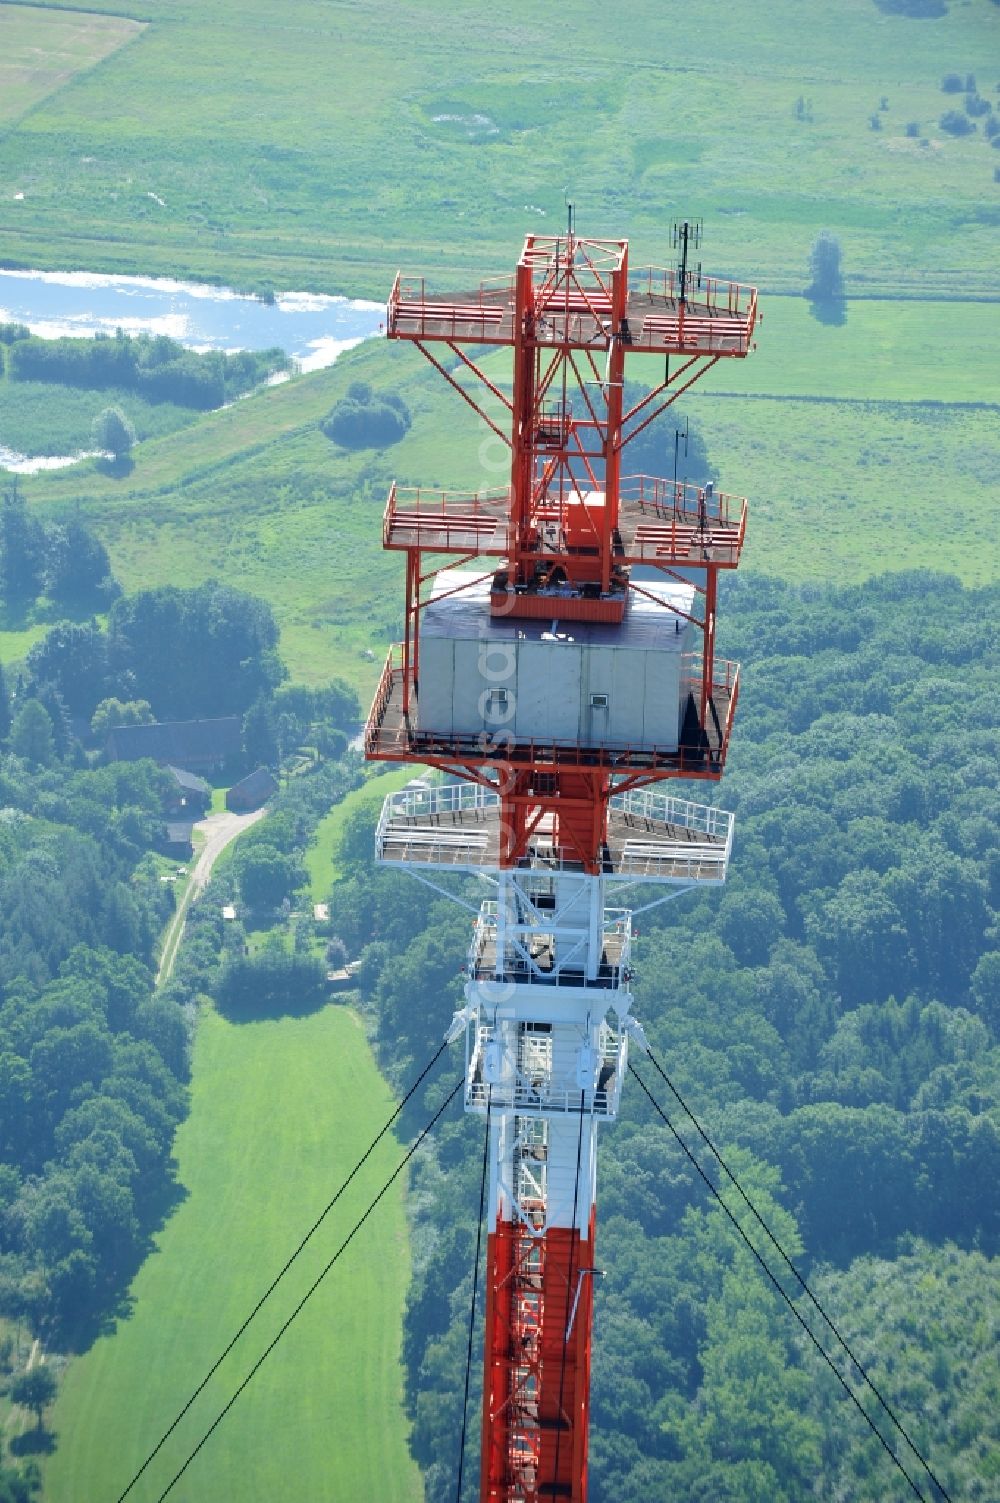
394,734
660,522
652,837
715,318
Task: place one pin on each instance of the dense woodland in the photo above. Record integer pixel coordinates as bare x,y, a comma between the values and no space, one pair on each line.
831,1017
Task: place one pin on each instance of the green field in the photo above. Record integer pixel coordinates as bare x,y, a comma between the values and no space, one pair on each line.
321,145
281,1110
321,862
45,417
43,50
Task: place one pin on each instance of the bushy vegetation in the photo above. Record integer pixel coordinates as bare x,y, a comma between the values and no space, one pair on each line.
152,365
364,419
65,561
113,432
956,123
92,1065
832,1017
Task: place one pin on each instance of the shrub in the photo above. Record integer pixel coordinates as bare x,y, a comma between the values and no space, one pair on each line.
875,122
956,123
992,127
113,433
952,83
367,420
913,127
975,104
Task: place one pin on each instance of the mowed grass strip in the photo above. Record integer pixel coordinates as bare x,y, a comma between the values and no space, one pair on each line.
280,1112
41,50
321,857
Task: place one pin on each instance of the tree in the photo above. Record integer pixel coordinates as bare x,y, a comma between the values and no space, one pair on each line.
79,569
73,657
35,1390
22,550
4,709
113,433
265,876
956,123
827,285
114,712
31,734
260,734
155,636
366,420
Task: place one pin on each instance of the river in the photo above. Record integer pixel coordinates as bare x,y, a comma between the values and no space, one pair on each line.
314,328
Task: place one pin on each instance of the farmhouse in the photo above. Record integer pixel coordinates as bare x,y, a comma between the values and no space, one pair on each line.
193,745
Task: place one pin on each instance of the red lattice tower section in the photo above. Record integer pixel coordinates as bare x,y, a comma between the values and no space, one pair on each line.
559,544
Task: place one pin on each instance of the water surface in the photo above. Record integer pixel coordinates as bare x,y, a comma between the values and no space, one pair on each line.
314,328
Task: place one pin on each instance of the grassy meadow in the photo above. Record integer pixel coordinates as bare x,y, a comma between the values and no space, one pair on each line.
321,145
281,1111
46,417
43,50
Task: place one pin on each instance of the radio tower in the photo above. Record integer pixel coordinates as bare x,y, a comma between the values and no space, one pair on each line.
555,682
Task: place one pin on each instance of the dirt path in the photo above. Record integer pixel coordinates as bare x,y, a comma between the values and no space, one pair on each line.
219,830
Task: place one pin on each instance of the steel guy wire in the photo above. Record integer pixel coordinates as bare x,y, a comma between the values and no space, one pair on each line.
797,1314
805,1287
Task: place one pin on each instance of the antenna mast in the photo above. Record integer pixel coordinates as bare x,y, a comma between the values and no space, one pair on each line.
555,691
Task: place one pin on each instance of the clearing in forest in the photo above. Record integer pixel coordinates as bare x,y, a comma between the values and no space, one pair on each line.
281,1109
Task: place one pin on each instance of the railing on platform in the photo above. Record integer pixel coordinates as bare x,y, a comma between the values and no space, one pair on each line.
683,501
488,304
441,510
734,299
539,1093
516,963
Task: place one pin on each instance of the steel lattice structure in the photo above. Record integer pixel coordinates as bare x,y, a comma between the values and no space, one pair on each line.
555,687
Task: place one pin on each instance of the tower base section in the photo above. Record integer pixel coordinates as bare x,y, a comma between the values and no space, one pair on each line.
539,1313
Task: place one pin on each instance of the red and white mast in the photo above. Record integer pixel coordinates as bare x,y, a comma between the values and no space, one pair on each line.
556,689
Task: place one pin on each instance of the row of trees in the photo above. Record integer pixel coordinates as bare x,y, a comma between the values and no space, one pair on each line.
152,365
92,1063
147,651
832,1016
